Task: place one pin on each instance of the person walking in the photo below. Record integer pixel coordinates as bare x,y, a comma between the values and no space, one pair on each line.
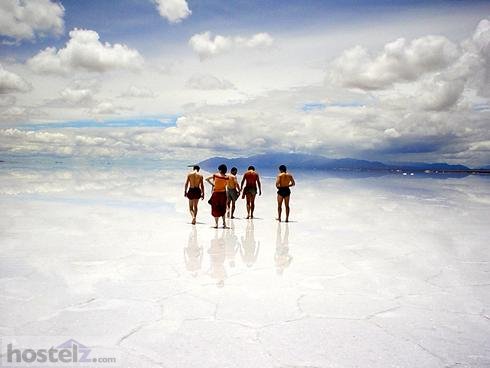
284,181
232,192
218,197
194,190
251,180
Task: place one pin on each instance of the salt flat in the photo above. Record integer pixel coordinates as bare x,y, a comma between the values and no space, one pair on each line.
386,271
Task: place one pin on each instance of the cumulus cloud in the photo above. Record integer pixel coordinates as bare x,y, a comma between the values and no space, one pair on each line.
11,113
24,19
11,82
392,133
478,53
85,52
429,73
16,140
400,61
439,94
173,10
208,82
420,109
79,93
77,96
104,108
205,45
256,41
137,92
264,125
7,100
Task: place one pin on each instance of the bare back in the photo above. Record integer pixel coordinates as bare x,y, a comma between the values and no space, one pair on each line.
195,179
232,182
284,180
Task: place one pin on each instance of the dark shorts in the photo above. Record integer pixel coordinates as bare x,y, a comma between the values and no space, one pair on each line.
232,194
249,190
283,191
194,193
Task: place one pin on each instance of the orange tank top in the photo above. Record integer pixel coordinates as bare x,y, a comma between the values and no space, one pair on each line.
220,183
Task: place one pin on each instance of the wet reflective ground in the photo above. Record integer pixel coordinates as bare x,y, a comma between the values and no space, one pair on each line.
385,271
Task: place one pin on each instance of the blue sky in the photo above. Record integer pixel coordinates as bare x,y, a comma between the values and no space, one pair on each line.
365,79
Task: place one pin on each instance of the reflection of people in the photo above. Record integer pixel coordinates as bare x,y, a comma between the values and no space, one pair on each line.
218,197
232,192
193,254
283,182
249,250
252,180
193,190
217,259
231,245
282,257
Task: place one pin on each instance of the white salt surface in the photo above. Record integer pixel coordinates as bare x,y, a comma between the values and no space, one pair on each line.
371,272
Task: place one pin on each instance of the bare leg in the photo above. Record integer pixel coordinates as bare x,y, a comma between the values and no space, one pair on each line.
216,221
286,203
249,201
228,207
224,222
191,210
233,209
252,206
279,207
194,208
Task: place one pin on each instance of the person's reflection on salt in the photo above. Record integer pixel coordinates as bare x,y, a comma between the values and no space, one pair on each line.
249,249
282,257
231,244
193,254
217,259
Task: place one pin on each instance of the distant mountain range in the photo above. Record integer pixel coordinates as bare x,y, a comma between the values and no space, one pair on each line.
315,162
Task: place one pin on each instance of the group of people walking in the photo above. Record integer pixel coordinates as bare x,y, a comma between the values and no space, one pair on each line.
226,191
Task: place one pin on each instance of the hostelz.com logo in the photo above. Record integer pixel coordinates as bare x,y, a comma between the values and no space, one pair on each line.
70,351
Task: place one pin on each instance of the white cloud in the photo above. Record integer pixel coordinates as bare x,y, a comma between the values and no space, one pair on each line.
400,61
208,82
481,37
392,133
479,49
24,19
104,108
439,94
85,52
259,40
7,100
206,46
79,93
13,113
77,96
429,73
416,110
137,92
11,82
173,10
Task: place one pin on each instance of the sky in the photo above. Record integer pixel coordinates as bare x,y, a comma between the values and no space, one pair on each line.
162,79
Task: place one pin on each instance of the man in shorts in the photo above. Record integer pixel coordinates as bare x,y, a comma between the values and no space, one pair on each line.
232,192
193,190
283,182
251,180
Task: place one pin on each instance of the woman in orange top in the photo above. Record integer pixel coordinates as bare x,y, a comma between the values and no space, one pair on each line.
218,197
